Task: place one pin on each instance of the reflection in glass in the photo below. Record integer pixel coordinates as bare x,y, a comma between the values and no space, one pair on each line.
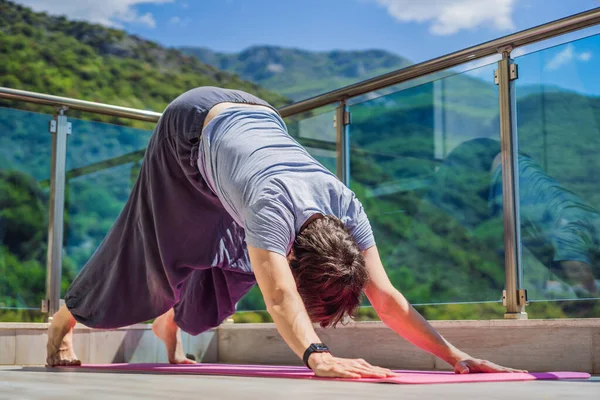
558,229
559,140
413,169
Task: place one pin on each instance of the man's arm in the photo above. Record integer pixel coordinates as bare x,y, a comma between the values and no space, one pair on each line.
285,306
396,312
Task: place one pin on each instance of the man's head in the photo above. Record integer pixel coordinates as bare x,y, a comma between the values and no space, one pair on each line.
329,270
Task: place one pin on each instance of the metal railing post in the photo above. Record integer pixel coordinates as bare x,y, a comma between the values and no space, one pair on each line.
342,129
514,297
59,128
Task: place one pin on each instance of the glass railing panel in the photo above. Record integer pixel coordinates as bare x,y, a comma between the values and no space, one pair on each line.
25,156
421,163
558,109
315,131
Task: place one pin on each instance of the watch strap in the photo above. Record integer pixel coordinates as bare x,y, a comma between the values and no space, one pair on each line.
314,348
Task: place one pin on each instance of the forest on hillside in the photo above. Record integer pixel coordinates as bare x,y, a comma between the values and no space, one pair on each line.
439,243
76,59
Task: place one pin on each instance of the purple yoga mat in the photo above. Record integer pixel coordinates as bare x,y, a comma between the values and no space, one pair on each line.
271,371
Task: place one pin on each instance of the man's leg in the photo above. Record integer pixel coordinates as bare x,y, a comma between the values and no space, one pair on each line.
167,330
208,297
60,339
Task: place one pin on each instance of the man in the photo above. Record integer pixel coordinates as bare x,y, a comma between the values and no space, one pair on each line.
225,199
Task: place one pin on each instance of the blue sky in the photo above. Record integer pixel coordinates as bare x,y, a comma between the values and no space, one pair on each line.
416,29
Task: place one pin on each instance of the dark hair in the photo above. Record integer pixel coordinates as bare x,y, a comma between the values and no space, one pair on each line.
329,270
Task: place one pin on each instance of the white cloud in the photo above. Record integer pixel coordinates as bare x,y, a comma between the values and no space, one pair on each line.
567,55
450,16
146,19
561,58
585,56
105,12
182,22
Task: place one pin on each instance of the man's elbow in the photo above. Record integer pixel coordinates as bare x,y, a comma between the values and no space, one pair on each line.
384,301
276,300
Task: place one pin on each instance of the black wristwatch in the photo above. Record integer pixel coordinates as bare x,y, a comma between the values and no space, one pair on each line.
314,348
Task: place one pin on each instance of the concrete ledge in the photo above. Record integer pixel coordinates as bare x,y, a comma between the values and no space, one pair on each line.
535,345
25,344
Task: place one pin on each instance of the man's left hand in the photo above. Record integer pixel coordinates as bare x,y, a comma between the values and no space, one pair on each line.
474,365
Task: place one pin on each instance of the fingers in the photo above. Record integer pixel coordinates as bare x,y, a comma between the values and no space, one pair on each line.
383,372
336,372
485,366
371,371
368,372
512,370
462,368
491,367
342,373
353,369
499,368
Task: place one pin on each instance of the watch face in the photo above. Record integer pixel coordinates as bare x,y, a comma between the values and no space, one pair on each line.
320,347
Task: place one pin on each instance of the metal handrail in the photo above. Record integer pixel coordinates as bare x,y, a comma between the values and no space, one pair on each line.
82,105
528,36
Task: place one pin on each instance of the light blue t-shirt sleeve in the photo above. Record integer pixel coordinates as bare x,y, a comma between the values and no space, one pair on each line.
269,225
357,223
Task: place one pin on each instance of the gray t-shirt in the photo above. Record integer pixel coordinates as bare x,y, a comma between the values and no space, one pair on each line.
269,183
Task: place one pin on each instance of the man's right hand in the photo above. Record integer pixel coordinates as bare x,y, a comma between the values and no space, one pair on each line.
285,306
326,365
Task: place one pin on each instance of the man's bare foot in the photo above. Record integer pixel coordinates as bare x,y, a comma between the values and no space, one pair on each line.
59,350
167,330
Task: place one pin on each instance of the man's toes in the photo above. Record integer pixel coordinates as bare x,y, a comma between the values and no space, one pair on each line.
75,362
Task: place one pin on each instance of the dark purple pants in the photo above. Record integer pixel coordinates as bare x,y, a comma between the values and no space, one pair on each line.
173,245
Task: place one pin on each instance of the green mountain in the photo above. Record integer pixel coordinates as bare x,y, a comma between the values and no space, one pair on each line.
299,74
76,59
